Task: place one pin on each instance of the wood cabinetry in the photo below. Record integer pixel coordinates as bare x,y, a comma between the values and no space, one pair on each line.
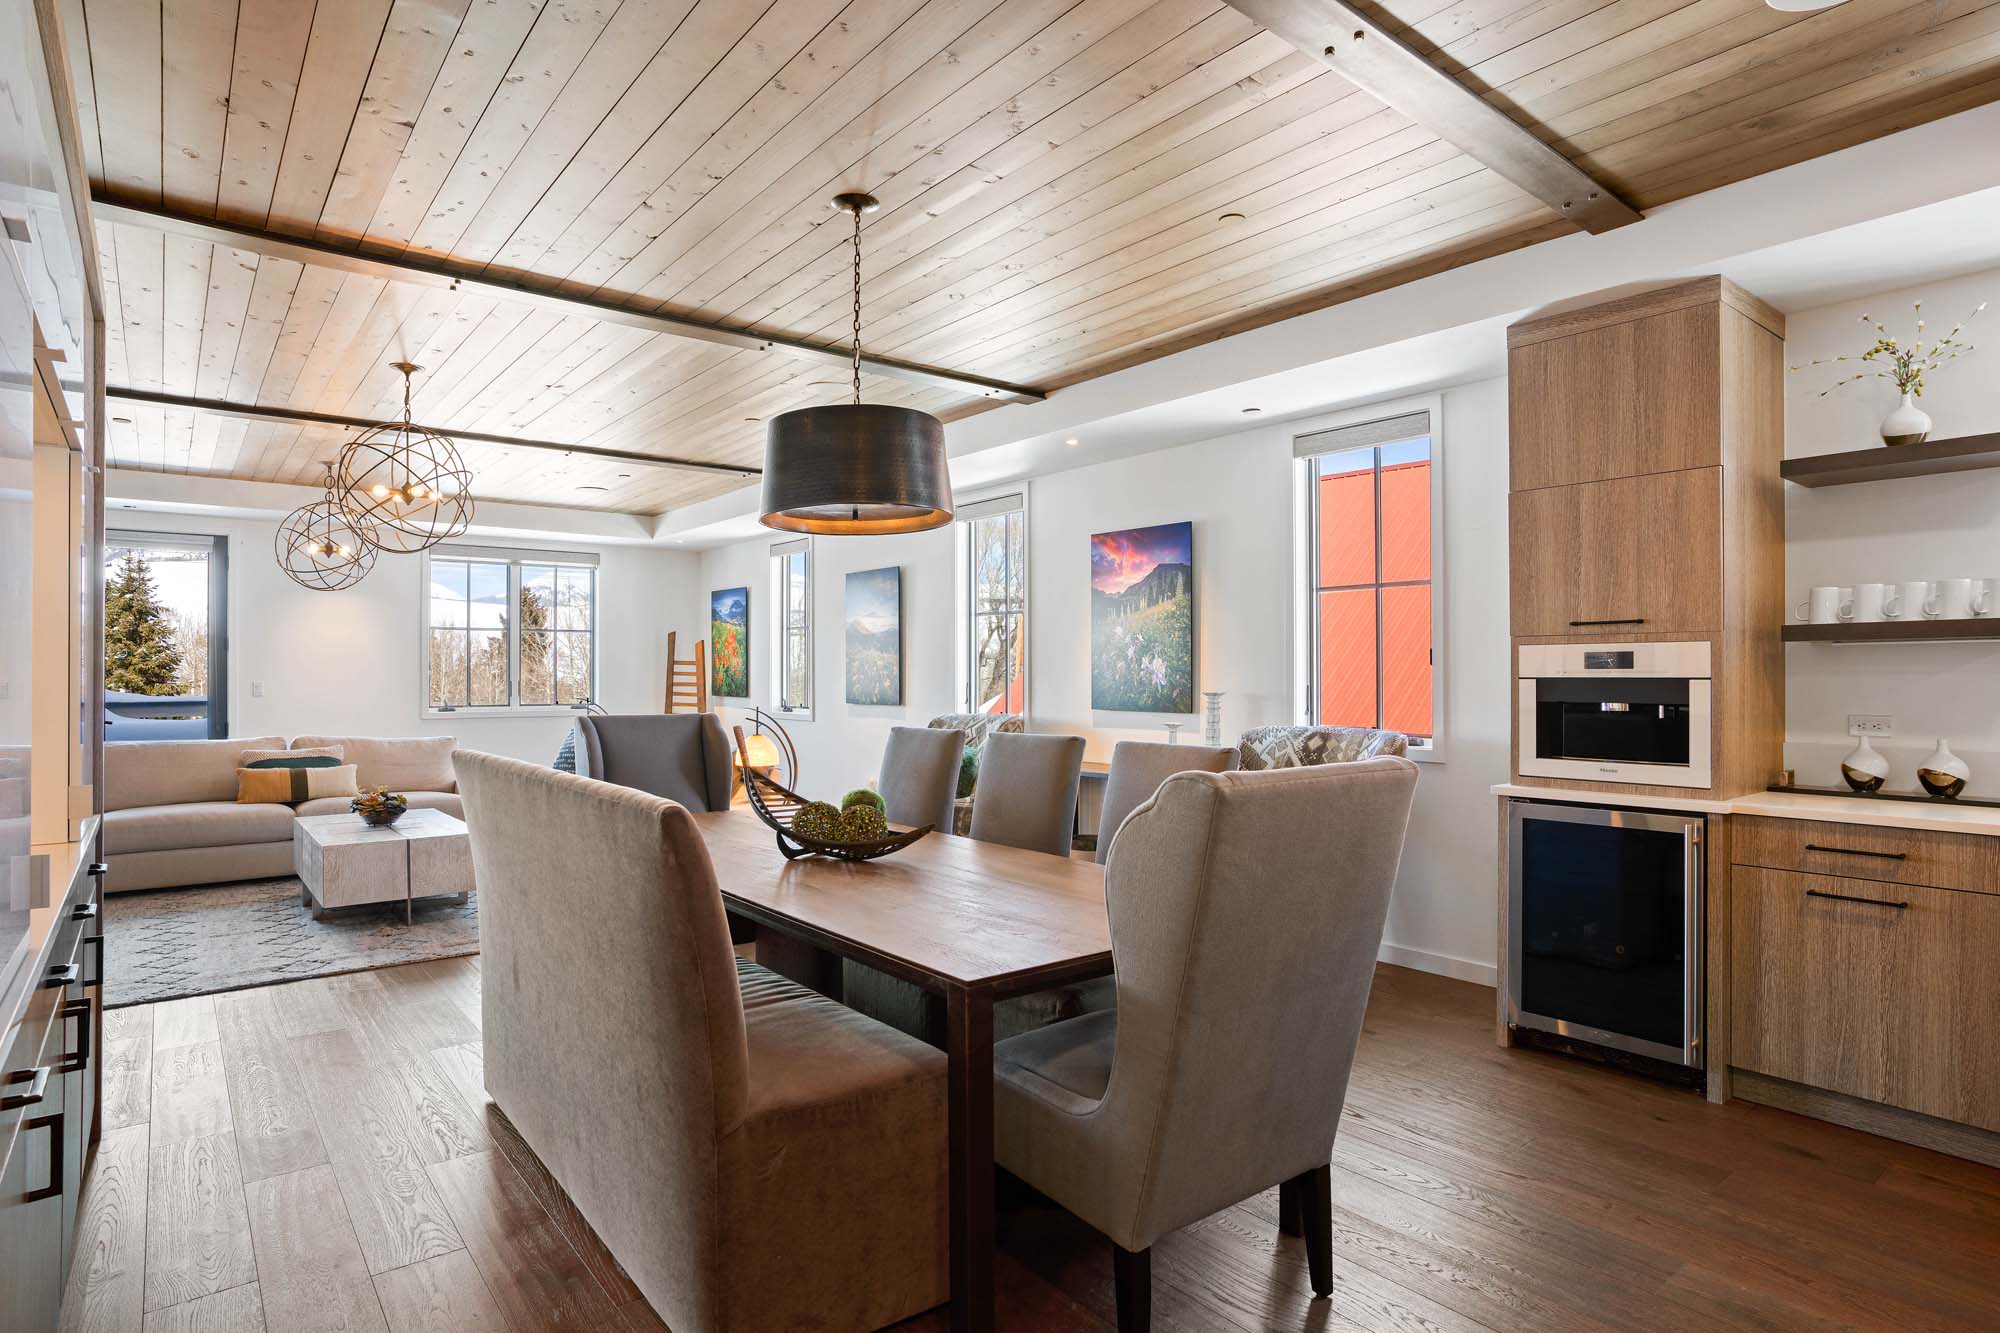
1885,992
1630,554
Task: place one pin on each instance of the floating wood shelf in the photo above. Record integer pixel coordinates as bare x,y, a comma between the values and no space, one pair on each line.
1896,631
1967,453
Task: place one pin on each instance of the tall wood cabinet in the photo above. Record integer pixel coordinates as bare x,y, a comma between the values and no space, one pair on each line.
1646,427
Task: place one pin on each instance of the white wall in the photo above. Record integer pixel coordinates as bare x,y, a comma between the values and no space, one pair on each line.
347,663
1238,491
1920,528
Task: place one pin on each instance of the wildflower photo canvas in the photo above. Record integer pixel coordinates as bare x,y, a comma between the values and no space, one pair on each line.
1142,619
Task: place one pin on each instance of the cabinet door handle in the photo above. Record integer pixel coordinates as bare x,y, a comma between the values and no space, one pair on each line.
83,912
1857,851
66,975
75,1062
1850,898
37,1080
54,1124
1634,620
96,978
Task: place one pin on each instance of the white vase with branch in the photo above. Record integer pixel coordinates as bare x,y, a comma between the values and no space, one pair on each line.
1904,365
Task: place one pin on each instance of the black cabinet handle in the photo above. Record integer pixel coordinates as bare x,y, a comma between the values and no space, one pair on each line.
83,912
52,1123
66,975
98,868
1856,851
75,1062
1635,620
37,1080
96,978
1849,898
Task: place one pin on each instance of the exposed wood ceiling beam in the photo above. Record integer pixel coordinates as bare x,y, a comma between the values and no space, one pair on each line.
1344,39
430,274
289,416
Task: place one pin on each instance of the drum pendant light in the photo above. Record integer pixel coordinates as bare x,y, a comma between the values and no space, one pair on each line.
851,469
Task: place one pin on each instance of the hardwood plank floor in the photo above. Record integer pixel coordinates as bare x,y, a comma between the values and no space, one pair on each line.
1474,1189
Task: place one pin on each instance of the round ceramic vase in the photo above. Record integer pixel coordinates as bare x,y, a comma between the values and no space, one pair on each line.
1908,424
1944,774
1864,767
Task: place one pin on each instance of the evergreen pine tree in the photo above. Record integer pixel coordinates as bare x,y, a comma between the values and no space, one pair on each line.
140,656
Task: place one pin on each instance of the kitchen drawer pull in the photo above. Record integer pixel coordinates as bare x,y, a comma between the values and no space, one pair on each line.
54,1124
83,912
75,1062
96,978
1856,851
37,1080
1849,898
1635,620
66,975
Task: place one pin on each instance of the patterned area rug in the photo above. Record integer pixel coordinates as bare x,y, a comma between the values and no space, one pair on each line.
169,943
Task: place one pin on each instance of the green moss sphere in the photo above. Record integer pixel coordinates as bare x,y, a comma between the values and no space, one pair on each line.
817,819
862,823
862,796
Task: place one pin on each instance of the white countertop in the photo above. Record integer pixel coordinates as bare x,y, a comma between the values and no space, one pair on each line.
1933,817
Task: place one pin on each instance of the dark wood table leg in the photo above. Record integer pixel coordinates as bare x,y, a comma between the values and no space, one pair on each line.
969,1047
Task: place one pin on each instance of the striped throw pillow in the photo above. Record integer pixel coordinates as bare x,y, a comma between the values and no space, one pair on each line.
290,786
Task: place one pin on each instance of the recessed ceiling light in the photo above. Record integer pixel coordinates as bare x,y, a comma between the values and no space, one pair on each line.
753,418
593,488
1252,411
1230,217
123,421
1072,442
1801,6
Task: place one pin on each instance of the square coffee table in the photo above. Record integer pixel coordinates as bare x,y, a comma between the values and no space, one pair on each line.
343,861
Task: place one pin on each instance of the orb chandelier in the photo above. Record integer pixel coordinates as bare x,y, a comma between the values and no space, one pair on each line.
321,547
855,468
407,487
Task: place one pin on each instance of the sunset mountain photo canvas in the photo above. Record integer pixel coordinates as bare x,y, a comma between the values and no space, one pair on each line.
1142,619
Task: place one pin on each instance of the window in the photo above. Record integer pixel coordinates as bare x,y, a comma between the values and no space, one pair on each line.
509,630
1371,598
166,636
791,580
996,604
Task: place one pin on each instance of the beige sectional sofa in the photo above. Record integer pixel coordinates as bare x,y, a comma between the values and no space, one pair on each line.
172,817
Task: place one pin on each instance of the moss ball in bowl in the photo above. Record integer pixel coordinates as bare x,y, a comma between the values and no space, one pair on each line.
862,823
817,820
862,796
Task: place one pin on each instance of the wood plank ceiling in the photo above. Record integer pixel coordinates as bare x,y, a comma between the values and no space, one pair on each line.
1068,187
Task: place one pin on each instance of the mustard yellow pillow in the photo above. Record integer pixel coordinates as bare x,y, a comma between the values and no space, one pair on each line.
290,786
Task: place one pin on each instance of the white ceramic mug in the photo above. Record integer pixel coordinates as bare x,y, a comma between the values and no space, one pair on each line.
1827,606
1962,599
1875,601
1918,601
1985,601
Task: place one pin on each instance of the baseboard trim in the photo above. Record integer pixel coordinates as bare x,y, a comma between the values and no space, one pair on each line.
1891,1122
1439,964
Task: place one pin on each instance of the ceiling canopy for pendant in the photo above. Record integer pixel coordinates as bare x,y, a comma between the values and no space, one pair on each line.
320,546
848,469
407,487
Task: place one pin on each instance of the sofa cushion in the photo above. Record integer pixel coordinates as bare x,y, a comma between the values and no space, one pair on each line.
400,763
160,828
448,801
147,773
291,786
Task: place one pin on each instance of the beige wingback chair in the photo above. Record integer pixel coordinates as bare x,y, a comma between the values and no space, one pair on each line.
1246,912
754,1155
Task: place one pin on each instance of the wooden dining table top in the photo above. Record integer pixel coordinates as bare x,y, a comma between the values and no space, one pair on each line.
949,910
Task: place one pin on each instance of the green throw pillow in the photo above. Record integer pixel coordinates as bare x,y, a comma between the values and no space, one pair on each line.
968,773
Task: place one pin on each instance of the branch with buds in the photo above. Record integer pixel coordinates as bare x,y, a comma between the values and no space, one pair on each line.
1906,366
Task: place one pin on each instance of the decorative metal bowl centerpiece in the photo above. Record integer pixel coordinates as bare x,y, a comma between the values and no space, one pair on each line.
381,807
815,828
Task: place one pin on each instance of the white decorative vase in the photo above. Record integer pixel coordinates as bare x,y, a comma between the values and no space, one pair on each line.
1864,767
1908,424
1211,724
1944,773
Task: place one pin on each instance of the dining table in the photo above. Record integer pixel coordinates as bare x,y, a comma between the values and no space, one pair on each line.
968,922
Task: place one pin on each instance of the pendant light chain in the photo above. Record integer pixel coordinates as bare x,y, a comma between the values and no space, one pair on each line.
857,306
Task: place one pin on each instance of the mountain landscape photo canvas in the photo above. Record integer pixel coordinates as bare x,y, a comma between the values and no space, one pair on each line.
1142,619
875,636
729,643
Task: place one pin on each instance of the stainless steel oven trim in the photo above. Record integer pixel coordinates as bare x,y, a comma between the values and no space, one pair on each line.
1692,828
1697,772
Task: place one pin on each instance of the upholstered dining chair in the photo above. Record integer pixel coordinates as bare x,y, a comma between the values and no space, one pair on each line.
681,756
1246,912
1027,791
754,1155
919,780
975,727
1137,770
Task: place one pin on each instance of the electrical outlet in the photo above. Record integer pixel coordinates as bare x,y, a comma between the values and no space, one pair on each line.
1871,724
256,689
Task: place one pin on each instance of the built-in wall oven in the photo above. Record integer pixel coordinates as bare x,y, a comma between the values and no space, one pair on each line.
1615,712
1604,913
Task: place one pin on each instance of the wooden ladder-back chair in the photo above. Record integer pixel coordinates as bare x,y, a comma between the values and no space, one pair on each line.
687,679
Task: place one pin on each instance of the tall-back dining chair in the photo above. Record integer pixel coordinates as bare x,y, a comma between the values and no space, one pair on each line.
919,779
1027,791
681,756
1137,770
1246,912
754,1155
